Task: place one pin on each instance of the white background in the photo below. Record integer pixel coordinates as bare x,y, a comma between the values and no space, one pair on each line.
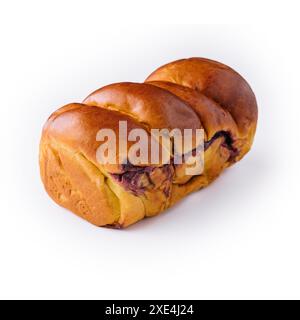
237,239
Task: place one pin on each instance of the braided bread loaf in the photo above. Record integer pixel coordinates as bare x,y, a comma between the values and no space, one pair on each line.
190,93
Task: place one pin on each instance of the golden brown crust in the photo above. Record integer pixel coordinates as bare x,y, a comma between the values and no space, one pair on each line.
190,93
151,106
73,177
213,117
219,83
77,125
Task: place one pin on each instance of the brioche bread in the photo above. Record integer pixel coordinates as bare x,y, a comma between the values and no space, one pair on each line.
191,94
